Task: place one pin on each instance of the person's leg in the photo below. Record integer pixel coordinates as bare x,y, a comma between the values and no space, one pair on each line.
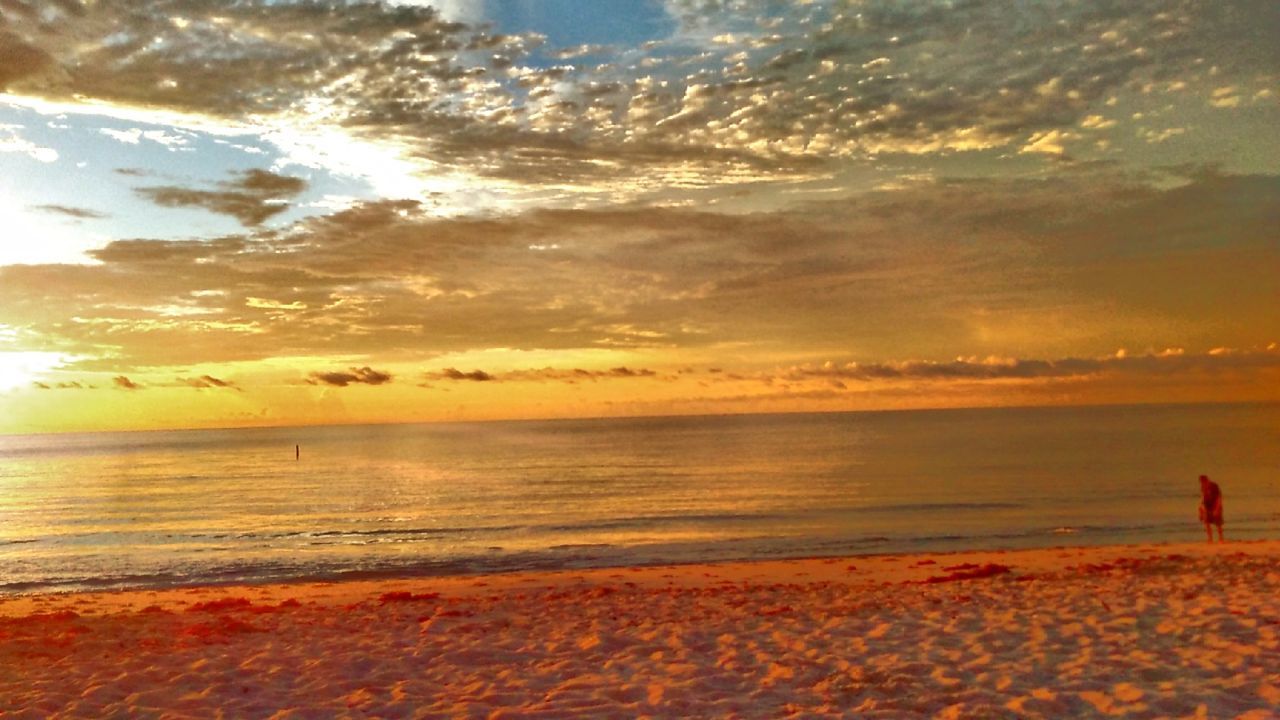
1208,532
1220,539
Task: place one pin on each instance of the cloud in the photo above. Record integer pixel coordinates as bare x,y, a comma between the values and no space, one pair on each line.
134,136
1225,97
625,372
361,376
11,142
262,303
18,58
157,54
124,383
455,374
1049,142
801,85
1151,363
208,381
73,212
1159,136
1097,122
72,385
130,137
546,374
253,198
937,269
578,374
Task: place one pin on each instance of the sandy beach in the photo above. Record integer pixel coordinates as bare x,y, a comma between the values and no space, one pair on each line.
1186,630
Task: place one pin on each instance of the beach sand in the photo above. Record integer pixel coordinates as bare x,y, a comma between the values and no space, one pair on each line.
1187,630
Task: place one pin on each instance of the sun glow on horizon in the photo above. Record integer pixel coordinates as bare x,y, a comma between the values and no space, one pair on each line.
23,368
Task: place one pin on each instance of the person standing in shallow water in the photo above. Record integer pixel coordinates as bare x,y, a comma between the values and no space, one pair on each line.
1210,507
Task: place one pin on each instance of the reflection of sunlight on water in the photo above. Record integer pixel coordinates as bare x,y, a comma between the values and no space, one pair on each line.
235,503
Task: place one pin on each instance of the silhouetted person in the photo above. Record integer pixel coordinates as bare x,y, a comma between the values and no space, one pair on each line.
1210,507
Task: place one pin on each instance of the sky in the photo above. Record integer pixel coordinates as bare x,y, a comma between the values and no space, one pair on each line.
272,212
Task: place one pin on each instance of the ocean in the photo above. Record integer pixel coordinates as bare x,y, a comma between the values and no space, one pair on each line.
172,508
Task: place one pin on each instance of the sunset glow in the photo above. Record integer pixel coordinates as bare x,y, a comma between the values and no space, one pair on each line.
271,213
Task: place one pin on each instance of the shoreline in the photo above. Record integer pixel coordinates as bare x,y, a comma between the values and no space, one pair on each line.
497,566
1139,629
883,567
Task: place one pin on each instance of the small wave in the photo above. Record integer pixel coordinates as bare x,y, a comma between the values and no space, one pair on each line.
414,531
580,546
19,542
644,521
914,507
152,580
363,533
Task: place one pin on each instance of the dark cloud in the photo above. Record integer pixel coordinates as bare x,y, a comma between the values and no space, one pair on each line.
18,59
125,383
252,199
360,376
572,375
578,374
455,374
176,252
74,212
72,385
208,381
1167,362
628,372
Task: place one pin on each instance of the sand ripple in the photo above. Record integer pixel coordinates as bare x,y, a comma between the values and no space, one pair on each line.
1111,632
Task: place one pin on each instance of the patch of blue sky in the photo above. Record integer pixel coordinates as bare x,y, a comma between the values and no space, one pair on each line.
103,162
567,24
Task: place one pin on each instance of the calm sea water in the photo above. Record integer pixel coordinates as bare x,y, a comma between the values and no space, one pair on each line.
184,507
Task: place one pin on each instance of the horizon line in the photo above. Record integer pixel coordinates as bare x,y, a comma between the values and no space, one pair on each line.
478,421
